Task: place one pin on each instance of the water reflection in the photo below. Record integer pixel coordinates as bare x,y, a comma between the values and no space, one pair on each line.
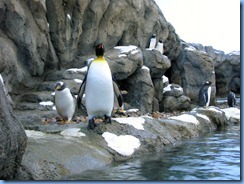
215,156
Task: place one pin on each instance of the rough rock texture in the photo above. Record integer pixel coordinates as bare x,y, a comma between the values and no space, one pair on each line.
140,90
57,155
156,62
174,99
12,140
228,74
124,61
191,70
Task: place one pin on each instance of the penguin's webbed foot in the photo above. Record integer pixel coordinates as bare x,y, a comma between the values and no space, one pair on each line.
91,124
107,119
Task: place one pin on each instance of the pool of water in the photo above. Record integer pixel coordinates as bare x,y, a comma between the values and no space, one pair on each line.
215,156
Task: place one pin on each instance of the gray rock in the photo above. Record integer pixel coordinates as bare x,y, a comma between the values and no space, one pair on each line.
156,62
228,74
195,68
140,90
172,103
124,61
12,140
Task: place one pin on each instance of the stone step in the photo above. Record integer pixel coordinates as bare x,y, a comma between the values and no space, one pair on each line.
41,106
38,96
72,84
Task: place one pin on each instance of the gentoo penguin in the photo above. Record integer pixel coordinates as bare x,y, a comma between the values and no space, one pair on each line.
160,46
231,99
99,89
65,102
152,43
205,94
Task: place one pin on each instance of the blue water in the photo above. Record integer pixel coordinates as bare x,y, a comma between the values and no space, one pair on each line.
215,156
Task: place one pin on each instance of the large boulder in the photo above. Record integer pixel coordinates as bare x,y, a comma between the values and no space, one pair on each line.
140,90
228,74
195,67
12,140
124,61
156,62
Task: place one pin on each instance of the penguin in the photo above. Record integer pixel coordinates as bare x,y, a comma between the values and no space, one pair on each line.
152,42
65,102
160,46
231,98
204,94
99,89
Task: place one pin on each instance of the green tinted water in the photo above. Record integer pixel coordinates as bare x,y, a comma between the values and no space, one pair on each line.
215,156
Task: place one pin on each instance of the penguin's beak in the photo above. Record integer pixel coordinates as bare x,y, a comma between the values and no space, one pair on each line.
58,86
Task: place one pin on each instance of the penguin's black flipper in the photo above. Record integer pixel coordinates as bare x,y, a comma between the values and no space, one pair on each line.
80,94
118,93
205,96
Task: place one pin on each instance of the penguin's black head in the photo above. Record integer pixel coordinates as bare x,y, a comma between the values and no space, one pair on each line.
208,83
154,36
100,49
60,86
160,41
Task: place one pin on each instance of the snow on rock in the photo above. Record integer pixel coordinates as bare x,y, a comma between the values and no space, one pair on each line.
34,134
78,81
47,103
72,132
186,118
134,121
123,144
126,49
232,114
145,68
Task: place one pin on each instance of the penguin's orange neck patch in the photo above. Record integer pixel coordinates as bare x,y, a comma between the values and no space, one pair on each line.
99,59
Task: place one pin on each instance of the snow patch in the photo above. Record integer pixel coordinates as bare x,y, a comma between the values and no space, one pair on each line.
72,132
127,49
145,68
186,118
54,108
53,93
132,110
78,81
34,134
122,55
83,69
165,79
168,88
123,144
134,121
47,103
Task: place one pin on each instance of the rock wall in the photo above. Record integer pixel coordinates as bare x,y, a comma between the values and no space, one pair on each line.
12,140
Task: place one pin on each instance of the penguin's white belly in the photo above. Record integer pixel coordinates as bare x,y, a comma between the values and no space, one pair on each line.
209,96
99,90
160,47
152,43
65,103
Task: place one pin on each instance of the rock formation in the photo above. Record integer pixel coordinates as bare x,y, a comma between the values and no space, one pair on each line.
12,140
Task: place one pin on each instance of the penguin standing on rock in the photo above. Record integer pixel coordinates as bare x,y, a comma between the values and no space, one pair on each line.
65,102
100,90
231,99
204,94
152,43
160,46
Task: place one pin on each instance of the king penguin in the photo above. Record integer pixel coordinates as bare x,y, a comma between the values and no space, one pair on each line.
160,46
65,102
152,43
204,94
100,90
231,99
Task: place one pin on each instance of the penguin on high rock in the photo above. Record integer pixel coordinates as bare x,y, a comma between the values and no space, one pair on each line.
152,43
160,46
65,102
100,90
231,99
204,94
